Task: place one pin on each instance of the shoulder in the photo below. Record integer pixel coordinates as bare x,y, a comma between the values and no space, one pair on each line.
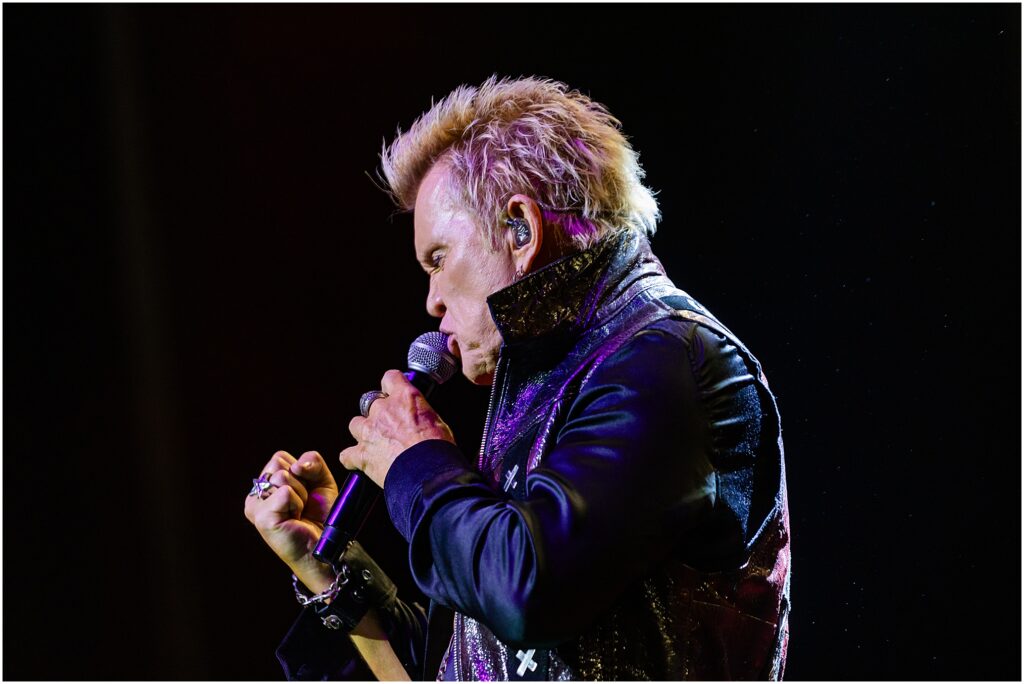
653,364
707,352
712,355
679,363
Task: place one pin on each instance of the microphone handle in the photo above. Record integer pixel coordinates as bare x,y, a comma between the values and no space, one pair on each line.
356,498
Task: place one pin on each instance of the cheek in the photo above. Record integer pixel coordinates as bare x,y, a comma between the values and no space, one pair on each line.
471,305
469,285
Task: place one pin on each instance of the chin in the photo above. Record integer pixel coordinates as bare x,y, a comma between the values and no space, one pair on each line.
479,373
482,380
478,376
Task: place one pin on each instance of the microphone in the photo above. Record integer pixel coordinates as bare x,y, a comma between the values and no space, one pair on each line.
430,364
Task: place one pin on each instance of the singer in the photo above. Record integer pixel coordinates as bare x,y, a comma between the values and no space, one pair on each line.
626,517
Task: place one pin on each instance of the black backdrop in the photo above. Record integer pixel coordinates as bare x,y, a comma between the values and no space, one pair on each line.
198,271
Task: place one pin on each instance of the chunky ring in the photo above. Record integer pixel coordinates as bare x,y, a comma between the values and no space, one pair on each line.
368,398
260,486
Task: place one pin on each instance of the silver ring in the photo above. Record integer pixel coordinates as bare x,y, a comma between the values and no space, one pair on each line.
261,486
368,398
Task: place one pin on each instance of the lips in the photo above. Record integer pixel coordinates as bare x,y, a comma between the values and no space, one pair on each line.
453,346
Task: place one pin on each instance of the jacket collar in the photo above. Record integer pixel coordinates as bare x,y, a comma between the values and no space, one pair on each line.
576,292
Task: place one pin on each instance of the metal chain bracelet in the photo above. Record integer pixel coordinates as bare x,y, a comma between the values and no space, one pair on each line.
340,580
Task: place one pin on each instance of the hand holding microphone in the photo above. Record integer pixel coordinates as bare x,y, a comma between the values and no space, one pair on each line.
394,419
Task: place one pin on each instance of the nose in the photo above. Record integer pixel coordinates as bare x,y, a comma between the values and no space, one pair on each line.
435,304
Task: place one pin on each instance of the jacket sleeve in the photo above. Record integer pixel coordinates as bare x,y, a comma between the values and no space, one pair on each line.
627,476
311,651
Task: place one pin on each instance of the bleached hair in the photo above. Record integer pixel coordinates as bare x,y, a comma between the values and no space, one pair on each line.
532,136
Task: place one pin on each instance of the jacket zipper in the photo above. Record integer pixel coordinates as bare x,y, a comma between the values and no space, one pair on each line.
455,648
490,409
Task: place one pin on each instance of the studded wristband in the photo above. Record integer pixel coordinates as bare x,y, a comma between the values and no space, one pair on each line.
359,586
350,604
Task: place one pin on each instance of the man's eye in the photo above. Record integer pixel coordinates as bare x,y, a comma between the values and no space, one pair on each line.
436,262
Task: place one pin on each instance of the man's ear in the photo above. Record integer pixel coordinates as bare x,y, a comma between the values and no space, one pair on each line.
524,231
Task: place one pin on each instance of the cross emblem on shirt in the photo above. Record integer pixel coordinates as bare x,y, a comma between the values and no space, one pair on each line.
510,482
526,660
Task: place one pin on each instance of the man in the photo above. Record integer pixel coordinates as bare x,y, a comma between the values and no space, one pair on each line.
626,516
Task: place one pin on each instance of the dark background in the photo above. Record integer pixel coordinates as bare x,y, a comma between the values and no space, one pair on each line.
198,271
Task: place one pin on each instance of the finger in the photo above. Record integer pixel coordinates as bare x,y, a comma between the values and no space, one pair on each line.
369,409
357,427
283,504
312,470
352,458
253,504
250,508
279,461
284,478
394,382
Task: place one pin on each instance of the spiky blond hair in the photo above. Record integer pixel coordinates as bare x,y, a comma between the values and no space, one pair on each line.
532,136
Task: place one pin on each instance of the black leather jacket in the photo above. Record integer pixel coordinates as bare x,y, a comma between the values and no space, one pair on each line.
627,516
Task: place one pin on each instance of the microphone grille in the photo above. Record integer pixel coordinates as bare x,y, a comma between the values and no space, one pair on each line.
429,354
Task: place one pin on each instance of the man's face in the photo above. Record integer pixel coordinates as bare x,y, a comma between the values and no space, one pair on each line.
463,272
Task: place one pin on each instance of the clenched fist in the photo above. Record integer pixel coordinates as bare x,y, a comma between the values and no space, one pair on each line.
290,519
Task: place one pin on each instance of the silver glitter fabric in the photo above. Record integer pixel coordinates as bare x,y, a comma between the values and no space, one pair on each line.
478,655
